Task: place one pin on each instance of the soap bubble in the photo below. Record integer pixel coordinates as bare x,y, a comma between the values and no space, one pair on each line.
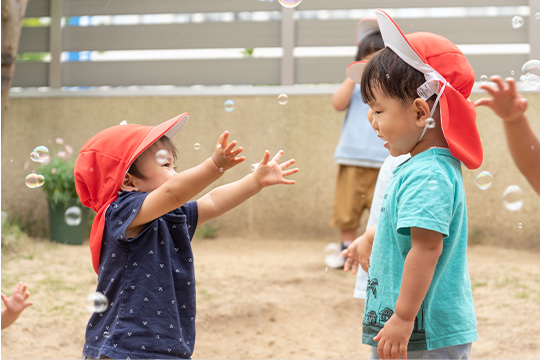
484,79
537,16
433,185
196,146
97,302
34,180
513,198
484,180
283,99
40,154
517,22
290,3
520,225
162,157
73,216
254,166
228,105
531,74
123,122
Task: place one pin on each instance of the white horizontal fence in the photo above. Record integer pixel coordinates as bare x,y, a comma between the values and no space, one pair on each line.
286,31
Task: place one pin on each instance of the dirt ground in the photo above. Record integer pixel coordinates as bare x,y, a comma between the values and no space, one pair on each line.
263,299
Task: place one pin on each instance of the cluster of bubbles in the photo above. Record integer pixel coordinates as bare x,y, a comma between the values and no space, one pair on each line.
229,105
531,74
97,302
512,196
40,155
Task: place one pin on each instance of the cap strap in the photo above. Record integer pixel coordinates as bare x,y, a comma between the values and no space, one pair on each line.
429,123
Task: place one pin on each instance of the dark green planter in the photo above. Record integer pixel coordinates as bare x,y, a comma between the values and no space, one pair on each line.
68,224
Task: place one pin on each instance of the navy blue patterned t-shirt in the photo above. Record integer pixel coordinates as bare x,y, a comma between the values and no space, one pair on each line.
149,281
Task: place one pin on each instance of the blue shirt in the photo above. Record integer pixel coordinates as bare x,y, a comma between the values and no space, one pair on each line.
149,281
359,144
426,192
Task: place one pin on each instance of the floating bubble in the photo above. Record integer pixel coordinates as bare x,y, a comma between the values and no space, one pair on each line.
537,16
517,22
433,185
283,99
40,154
531,74
34,180
196,146
484,79
123,122
228,105
388,76
513,198
97,302
520,225
289,3
484,180
106,334
162,157
254,166
73,216
221,169
430,123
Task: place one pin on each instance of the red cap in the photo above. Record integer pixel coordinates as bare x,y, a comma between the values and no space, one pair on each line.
103,162
446,70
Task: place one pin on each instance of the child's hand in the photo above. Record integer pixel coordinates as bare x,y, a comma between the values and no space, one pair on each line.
225,155
394,338
351,254
505,101
271,172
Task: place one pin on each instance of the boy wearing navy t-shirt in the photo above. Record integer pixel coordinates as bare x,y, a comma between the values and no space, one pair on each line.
141,235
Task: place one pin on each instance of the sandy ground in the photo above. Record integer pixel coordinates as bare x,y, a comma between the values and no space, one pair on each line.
262,299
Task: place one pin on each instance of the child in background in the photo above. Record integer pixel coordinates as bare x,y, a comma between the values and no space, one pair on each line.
419,298
359,152
15,304
141,235
523,144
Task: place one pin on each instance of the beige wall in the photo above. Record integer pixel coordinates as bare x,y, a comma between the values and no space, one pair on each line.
307,128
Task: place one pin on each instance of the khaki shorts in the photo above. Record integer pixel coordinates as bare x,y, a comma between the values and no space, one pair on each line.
354,193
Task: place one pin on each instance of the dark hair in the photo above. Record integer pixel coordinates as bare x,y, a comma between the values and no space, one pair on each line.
135,170
392,76
370,44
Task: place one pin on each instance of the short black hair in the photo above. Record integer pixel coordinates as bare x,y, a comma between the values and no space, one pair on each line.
387,72
135,170
370,44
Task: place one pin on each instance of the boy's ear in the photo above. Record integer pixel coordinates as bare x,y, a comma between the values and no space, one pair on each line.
421,107
128,183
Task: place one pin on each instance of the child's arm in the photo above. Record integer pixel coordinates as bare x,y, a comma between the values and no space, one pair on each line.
183,186
523,144
342,96
418,272
359,251
227,197
15,304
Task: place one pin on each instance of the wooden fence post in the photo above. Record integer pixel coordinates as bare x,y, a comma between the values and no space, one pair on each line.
55,44
534,29
287,44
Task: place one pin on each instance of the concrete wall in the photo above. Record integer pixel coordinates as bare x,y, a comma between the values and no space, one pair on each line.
306,128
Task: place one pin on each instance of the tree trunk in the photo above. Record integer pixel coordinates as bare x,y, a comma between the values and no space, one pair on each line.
12,15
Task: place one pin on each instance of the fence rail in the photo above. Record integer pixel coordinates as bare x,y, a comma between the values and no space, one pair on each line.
285,32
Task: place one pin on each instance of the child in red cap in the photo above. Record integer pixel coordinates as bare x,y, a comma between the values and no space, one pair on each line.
419,299
141,235
523,144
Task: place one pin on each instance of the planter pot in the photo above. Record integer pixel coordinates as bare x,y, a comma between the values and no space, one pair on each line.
68,224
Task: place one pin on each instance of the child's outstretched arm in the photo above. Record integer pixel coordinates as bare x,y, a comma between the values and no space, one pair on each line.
420,263
342,96
15,304
183,186
523,144
227,197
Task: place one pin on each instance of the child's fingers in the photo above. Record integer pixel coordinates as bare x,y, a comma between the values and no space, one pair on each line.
483,102
498,80
403,351
4,298
230,147
237,161
511,84
223,139
290,172
277,156
237,151
265,158
287,163
288,182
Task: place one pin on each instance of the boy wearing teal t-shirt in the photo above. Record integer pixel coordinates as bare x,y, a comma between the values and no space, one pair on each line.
419,299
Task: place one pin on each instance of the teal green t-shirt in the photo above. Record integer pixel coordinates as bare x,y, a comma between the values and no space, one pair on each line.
426,192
